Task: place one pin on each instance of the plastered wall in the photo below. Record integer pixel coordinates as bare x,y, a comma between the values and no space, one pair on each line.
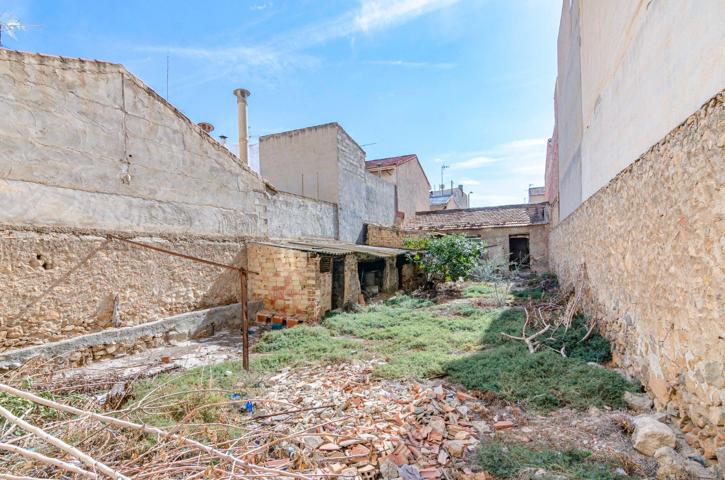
87,144
629,72
651,243
303,162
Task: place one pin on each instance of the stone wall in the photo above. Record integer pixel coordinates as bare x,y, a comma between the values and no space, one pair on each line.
393,237
287,281
651,243
59,283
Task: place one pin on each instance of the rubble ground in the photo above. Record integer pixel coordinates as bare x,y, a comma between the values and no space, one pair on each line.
359,396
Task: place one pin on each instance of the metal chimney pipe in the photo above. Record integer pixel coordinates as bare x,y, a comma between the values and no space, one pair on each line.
242,95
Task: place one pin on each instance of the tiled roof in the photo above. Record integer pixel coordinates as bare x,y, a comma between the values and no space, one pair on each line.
390,161
500,216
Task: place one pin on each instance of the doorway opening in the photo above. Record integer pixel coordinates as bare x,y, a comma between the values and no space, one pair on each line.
519,252
338,282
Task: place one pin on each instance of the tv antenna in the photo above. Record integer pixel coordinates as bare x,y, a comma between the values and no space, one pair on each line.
9,25
443,167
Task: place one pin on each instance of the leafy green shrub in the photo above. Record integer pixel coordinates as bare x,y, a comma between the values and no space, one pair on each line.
445,258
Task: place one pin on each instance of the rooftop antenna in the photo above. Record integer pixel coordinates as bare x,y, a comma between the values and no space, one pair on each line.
443,167
167,78
9,25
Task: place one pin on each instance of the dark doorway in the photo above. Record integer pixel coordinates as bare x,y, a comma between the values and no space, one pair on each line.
338,282
519,252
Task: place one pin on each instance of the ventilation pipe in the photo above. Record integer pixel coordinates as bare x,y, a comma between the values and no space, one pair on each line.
242,95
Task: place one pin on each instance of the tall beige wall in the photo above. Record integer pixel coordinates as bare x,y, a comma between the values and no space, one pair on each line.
413,189
629,72
651,244
303,162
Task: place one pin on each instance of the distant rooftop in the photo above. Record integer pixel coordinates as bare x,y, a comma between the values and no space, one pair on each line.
390,161
536,190
499,216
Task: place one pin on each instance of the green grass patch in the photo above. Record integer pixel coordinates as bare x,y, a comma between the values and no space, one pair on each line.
510,459
415,342
302,345
478,290
529,293
544,380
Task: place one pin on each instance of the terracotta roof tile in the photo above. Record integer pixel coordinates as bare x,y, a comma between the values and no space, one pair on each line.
500,216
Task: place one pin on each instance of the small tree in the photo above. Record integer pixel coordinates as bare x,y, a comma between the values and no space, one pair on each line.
445,258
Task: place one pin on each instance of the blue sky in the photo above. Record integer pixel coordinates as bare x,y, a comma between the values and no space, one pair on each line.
466,83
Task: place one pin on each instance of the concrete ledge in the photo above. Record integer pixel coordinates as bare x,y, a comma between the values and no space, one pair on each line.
187,325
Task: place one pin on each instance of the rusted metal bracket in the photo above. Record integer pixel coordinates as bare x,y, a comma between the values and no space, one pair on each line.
243,273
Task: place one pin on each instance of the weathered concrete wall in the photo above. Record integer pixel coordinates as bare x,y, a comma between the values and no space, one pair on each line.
294,216
303,162
59,284
86,144
364,198
629,72
652,245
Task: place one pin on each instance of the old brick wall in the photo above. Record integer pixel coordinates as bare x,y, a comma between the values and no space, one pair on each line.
381,236
652,243
287,281
59,283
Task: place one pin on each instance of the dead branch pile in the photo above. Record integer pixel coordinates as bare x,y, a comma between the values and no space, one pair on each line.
544,319
332,421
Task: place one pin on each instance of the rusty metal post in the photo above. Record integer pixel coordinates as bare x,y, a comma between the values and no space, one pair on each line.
245,318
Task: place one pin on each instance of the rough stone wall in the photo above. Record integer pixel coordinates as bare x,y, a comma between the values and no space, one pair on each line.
58,283
287,281
652,245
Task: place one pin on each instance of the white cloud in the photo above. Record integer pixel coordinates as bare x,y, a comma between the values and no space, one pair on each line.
376,14
283,51
468,181
260,6
474,162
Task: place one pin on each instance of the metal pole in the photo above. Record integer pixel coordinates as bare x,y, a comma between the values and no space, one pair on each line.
245,318
242,288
